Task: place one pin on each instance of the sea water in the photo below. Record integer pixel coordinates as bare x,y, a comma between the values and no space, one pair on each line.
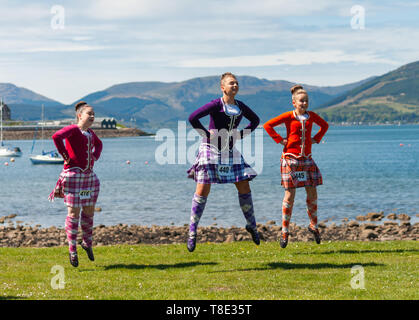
365,169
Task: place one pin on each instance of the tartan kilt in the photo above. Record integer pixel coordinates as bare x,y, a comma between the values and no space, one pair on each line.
78,188
291,169
212,166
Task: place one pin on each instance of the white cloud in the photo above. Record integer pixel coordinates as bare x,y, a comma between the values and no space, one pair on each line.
167,40
197,10
82,38
12,13
111,9
64,48
293,58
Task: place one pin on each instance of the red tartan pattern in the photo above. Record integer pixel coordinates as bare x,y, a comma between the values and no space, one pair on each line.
290,165
71,182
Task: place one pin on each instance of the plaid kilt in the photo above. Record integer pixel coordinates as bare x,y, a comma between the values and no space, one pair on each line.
212,166
78,188
297,173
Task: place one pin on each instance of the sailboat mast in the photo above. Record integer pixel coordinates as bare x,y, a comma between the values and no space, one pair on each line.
1,121
42,131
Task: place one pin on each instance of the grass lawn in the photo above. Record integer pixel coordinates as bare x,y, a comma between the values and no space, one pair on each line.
231,271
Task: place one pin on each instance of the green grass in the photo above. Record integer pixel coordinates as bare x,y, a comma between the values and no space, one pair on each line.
238,270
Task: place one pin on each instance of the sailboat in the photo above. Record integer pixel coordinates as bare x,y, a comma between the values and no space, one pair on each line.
6,151
50,157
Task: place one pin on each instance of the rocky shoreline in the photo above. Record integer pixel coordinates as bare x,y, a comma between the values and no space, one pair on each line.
364,228
101,133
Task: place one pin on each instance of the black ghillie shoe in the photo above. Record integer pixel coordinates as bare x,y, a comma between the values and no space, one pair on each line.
254,233
74,259
191,244
316,234
283,241
89,252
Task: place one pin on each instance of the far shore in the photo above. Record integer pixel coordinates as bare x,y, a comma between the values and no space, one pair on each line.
29,134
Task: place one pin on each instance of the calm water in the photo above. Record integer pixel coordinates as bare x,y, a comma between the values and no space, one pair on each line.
364,169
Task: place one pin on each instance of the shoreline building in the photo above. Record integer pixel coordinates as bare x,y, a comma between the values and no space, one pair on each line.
6,114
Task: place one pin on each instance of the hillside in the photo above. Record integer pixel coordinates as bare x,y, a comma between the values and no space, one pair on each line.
156,103
153,104
393,96
26,104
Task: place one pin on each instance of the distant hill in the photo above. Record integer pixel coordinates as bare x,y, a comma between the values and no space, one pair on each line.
26,104
393,96
157,103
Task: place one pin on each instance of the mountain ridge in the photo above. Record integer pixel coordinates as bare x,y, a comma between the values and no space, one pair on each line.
389,97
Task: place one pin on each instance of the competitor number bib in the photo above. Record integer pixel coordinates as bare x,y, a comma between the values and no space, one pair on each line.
224,170
85,194
300,175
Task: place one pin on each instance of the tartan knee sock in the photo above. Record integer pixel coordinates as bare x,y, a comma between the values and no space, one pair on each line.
286,215
71,229
87,229
198,206
312,212
246,204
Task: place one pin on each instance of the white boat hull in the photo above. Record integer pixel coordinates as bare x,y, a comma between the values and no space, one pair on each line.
9,152
46,159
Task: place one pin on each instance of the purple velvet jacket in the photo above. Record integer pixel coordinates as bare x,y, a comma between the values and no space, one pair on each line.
220,120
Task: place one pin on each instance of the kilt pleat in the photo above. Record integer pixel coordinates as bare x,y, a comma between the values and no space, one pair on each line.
209,164
292,167
78,188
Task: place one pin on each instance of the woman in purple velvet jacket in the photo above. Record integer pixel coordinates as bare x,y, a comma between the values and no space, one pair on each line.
218,161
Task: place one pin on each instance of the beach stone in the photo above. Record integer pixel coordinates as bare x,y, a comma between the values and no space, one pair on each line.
369,226
403,216
263,229
11,235
361,218
353,224
240,237
390,223
230,238
402,232
123,234
30,242
52,243
369,234
392,216
375,216
277,229
271,222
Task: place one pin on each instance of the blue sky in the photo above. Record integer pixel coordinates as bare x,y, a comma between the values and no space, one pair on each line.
86,46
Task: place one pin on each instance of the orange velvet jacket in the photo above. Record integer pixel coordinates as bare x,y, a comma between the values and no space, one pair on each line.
298,132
